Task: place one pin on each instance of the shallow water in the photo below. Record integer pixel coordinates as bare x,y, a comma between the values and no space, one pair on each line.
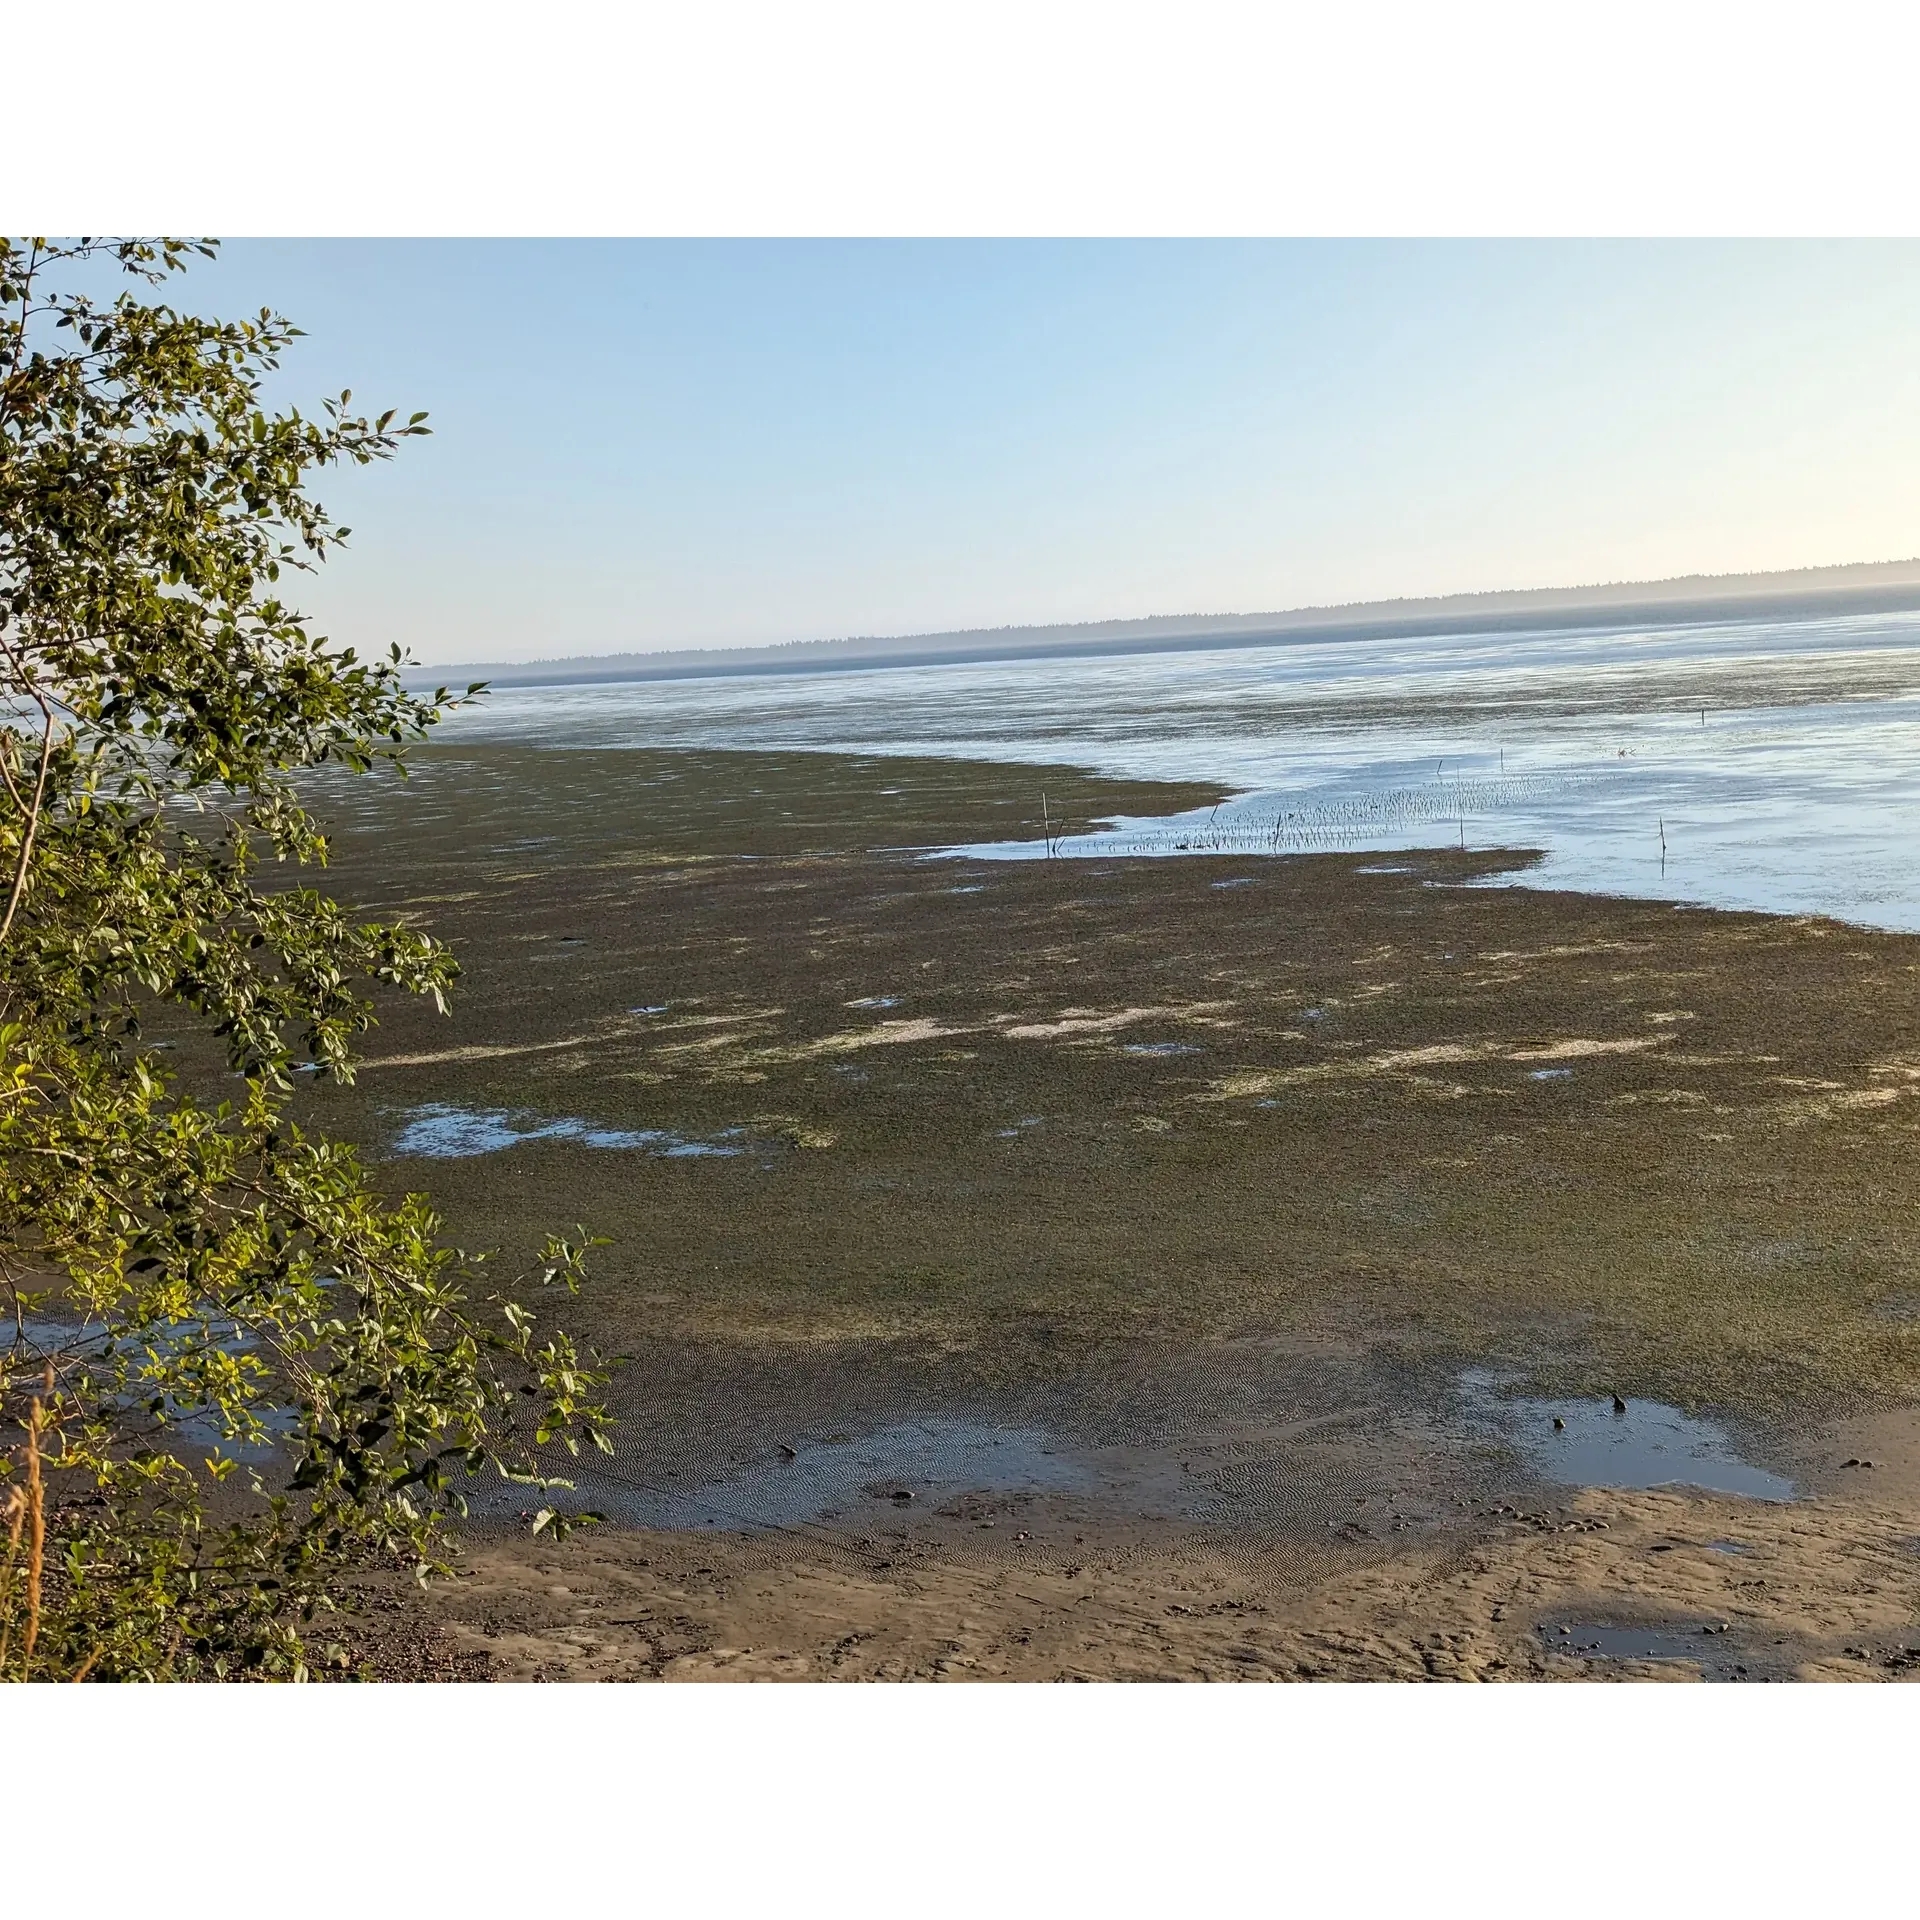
1763,764
438,1132
193,1432
1702,1645
849,1478
204,1431
1649,1445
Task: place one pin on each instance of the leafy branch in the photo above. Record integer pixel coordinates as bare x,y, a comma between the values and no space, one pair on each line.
236,1368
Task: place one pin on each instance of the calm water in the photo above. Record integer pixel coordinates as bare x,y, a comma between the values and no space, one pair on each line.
853,1479
1588,1443
1770,764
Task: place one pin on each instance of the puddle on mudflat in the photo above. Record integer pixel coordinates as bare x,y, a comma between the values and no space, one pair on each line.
1245,880
1385,869
195,1433
1018,1128
876,1000
1159,1048
915,1466
437,1132
1728,1546
1551,1073
659,1009
1649,1445
1702,1644
205,1433
966,889
45,1335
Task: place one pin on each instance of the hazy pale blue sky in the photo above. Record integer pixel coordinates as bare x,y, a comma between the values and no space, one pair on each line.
655,444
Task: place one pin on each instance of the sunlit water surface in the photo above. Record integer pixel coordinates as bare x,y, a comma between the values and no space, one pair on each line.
1766,764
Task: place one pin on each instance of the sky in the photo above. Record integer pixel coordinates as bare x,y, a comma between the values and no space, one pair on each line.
642,445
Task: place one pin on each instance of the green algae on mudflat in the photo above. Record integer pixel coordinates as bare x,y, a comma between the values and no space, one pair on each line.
1708,1202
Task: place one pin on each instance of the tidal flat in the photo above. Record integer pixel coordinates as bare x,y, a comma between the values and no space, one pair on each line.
1217,1189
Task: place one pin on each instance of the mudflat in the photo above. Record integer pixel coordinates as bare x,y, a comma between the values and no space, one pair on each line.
1153,1267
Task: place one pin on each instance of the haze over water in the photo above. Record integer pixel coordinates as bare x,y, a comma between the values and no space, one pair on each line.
1779,759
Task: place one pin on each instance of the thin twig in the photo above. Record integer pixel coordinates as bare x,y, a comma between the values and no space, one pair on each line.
32,825
18,798
36,1527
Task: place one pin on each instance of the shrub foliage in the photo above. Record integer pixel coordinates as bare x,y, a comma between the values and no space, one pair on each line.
231,1368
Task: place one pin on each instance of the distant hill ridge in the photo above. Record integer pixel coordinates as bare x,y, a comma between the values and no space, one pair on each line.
1803,593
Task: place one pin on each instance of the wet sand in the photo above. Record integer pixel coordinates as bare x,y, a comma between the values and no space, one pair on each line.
1208,1186
1709,1588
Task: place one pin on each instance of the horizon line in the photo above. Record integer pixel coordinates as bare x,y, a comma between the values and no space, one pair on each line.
1858,581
